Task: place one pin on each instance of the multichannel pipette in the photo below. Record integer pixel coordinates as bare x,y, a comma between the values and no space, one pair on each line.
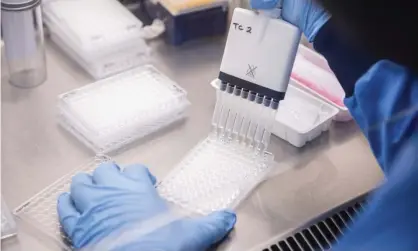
254,74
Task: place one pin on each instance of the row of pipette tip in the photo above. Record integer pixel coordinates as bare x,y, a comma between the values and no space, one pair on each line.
243,117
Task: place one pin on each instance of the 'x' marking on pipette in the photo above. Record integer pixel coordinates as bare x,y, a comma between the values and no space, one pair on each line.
251,71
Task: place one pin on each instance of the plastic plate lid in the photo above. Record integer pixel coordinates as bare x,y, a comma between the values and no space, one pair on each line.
95,24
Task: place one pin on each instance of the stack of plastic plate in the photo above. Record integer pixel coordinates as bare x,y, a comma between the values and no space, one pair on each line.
100,35
113,112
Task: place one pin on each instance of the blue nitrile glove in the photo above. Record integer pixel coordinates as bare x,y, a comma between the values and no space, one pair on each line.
307,15
114,204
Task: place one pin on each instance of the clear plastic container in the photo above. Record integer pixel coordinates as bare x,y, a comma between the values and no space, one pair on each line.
110,44
40,211
135,54
8,224
113,112
23,36
215,175
301,117
93,26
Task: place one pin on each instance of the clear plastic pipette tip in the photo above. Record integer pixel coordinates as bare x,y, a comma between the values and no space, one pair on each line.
243,117
255,120
271,117
227,111
219,106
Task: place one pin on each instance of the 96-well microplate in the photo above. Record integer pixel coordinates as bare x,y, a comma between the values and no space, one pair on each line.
215,175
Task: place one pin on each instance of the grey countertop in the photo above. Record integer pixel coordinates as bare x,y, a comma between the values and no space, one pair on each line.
36,151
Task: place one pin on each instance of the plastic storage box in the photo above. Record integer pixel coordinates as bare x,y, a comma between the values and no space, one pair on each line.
301,117
101,35
312,74
113,112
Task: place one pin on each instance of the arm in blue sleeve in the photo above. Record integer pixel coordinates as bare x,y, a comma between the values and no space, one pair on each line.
383,99
385,90
385,105
348,62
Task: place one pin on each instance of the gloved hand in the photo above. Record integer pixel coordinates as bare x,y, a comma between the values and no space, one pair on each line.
113,202
307,15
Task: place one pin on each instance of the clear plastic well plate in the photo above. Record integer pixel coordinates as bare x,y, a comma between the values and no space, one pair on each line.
41,210
8,224
118,110
92,26
215,175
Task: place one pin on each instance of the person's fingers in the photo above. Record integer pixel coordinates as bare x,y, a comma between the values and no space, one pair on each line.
139,173
211,229
106,173
67,213
80,190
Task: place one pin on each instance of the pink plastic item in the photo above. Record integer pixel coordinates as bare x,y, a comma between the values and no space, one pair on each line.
322,92
312,73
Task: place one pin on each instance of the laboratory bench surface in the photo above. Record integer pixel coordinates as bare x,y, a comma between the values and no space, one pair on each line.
332,169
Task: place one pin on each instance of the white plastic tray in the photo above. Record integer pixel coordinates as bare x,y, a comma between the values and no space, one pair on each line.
40,211
113,112
319,80
100,35
94,26
296,130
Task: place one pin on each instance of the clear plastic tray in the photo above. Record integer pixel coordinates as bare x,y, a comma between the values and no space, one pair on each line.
133,55
97,48
8,224
118,110
94,26
41,210
215,175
